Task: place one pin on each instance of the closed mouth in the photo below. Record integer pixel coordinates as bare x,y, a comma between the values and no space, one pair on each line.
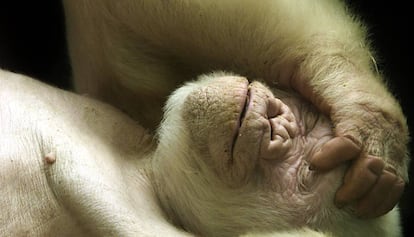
242,115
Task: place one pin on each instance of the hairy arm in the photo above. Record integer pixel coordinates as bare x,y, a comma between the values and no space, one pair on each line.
318,49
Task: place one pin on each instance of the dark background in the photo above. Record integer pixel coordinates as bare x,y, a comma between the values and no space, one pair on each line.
32,42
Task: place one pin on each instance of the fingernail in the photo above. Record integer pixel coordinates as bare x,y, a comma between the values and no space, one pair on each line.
319,150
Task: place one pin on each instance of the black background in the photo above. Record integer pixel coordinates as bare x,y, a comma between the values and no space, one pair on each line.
32,42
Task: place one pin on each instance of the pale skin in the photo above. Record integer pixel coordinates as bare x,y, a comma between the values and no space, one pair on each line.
132,54
67,171
73,166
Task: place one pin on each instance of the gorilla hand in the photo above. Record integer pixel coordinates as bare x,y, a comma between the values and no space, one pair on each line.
371,133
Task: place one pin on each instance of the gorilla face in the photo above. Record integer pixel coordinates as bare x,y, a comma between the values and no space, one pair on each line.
239,147
244,129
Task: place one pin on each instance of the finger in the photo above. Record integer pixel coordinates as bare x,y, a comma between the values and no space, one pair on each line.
359,179
333,153
393,197
372,203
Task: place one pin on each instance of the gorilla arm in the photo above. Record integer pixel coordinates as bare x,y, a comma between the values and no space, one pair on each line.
314,47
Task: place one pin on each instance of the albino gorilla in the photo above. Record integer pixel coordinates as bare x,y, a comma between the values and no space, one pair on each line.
231,159
134,53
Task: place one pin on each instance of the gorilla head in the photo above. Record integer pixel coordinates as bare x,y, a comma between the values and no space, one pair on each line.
233,155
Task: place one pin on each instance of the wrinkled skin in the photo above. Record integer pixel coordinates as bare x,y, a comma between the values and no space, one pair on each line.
134,53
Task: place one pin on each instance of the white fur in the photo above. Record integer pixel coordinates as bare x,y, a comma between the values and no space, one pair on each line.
133,54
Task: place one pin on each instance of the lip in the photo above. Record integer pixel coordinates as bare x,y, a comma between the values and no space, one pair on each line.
243,111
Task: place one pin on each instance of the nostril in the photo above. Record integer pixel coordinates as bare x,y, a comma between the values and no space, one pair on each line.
282,135
276,149
283,128
282,120
279,128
